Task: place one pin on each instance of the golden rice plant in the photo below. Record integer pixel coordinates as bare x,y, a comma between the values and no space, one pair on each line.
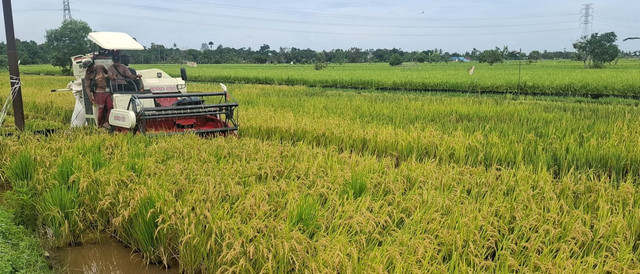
264,206
327,181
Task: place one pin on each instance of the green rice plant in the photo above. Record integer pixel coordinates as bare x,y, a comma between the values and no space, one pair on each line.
20,174
357,186
549,77
303,216
21,200
65,171
94,151
21,169
59,205
141,229
98,160
58,209
136,166
137,149
200,243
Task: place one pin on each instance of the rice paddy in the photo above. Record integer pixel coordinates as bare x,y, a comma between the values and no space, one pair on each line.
331,180
552,77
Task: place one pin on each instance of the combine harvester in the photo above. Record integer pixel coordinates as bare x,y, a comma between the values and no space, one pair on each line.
157,103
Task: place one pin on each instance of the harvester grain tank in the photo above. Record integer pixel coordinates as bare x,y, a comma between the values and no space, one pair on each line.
156,103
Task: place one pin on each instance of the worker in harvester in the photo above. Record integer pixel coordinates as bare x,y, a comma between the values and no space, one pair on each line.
120,74
125,60
95,81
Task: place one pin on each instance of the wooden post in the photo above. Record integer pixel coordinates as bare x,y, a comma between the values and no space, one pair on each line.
14,70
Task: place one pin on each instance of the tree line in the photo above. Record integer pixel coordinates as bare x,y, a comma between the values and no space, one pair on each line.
70,39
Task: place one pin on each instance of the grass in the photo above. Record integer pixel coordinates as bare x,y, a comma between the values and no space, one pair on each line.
20,251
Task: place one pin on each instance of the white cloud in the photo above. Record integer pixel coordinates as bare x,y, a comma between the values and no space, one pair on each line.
323,25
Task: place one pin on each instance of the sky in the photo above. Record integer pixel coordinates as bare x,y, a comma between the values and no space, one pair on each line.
410,25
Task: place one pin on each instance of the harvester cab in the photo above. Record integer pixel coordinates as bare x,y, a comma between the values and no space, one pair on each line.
156,103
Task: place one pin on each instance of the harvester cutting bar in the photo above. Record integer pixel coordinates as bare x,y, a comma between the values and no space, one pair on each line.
205,131
193,107
154,114
186,115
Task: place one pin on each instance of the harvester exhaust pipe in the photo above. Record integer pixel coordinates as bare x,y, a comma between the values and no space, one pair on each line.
183,74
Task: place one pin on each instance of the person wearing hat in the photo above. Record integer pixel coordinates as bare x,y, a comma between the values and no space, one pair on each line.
95,81
121,73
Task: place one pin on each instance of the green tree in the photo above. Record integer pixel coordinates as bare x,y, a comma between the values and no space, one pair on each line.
68,40
490,56
4,63
395,60
598,49
30,53
446,57
434,57
534,56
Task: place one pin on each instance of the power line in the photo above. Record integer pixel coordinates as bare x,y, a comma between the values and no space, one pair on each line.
146,7
35,10
155,19
354,16
618,19
307,14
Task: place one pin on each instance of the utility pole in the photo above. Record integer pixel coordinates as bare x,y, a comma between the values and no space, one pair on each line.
586,19
519,68
67,10
14,70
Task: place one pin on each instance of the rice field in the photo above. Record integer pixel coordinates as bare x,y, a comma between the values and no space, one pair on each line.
331,180
553,77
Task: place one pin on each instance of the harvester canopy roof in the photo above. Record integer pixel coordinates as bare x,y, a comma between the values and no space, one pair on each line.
115,41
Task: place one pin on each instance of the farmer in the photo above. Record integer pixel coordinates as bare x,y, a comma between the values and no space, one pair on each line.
125,60
120,73
95,85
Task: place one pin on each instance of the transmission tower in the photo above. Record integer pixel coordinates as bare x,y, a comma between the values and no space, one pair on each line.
586,19
67,10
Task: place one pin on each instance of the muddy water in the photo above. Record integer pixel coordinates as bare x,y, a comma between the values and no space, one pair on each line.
108,256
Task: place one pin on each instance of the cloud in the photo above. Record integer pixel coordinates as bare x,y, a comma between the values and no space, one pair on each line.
325,25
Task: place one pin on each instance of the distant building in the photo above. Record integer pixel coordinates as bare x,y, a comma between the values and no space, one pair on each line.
459,59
